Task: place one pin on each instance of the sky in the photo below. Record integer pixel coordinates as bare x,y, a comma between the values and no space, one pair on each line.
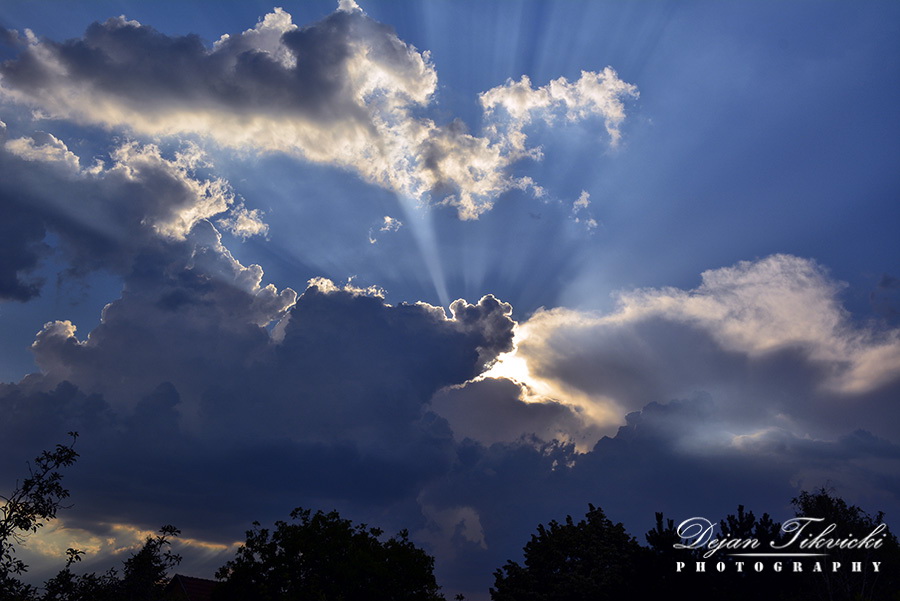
457,267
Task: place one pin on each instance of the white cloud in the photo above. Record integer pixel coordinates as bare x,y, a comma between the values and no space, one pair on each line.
590,223
581,213
345,91
348,6
265,38
769,339
391,224
46,148
139,203
244,222
175,215
583,202
775,303
388,224
140,189
592,95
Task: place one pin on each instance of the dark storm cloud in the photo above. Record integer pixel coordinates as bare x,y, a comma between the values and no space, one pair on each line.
182,383
336,407
333,407
185,324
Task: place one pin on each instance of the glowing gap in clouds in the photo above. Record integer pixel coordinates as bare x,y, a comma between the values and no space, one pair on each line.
53,540
595,410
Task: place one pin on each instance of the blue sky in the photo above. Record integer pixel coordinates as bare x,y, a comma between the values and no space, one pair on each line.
703,235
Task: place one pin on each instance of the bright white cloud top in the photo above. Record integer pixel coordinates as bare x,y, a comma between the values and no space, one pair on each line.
345,91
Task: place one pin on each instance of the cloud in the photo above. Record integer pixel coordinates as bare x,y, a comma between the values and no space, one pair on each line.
344,91
45,148
780,302
244,223
385,412
450,528
583,202
21,249
193,292
768,339
592,95
341,366
493,410
580,211
663,459
180,382
389,224
201,375
106,214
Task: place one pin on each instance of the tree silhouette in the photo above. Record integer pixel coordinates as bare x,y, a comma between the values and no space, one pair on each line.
594,559
144,575
660,560
25,511
67,586
591,560
850,520
322,556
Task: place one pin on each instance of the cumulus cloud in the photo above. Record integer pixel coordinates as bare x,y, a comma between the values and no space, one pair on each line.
386,412
592,95
45,148
344,91
180,374
339,362
106,213
194,289
776,303
769,339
